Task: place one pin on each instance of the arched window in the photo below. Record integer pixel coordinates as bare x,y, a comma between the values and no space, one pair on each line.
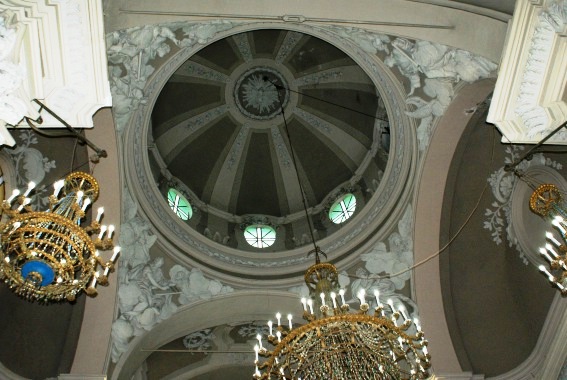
179,204
342,209
260,236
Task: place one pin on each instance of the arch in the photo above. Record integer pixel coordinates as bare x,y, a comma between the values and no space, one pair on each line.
231,308
428,209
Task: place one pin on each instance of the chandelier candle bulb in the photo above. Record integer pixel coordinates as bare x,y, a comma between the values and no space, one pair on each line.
31,185
256,350
94,281
391,304
279,336
86,204
304,303
259,337
342,294
24,204
557,222
417,325
270,323
15,226
403,313
79,197
549,247
279,318
110,231
334,299
100,211
310,304
322,295
15,193
289,318
102,231
115,254
543,252
550,236
57,186
361,294
377,296
546,272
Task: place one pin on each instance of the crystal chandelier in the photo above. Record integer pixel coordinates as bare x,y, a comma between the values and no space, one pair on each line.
47,255
546,201
339,344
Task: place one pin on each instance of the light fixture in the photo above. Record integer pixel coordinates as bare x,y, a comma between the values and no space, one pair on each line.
546,201
47,255
339,344
335,343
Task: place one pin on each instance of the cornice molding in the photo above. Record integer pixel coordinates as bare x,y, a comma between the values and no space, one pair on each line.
58,54
529,99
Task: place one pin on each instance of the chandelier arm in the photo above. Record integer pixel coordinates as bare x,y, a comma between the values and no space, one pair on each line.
99,152
529,153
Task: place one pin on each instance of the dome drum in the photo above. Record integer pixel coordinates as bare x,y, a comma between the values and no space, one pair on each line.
231,165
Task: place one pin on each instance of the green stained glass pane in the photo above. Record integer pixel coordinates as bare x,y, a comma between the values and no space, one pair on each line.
179,204
260,236
342,209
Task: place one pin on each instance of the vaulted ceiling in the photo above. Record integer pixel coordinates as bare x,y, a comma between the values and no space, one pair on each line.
197,108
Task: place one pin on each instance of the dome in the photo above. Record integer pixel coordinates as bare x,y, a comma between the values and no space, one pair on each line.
220,139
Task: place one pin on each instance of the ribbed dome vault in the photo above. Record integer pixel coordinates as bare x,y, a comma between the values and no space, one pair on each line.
221,139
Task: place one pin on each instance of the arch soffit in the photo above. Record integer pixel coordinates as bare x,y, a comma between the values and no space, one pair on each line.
244,306
426,286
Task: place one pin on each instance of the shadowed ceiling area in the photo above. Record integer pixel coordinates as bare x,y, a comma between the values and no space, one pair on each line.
495,303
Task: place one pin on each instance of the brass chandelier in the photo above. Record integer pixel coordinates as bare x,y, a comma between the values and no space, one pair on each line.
546,201
335,343
339,344
47,255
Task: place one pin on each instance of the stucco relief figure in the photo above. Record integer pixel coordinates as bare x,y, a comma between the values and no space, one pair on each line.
31,165
370,42
442,67
129,56
148,305
136,237
194,286
145,299
399,258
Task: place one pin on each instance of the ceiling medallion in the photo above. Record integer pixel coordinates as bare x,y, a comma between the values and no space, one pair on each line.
255,94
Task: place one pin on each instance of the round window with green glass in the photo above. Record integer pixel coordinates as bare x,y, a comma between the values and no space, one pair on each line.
179,204
260,236
342,209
